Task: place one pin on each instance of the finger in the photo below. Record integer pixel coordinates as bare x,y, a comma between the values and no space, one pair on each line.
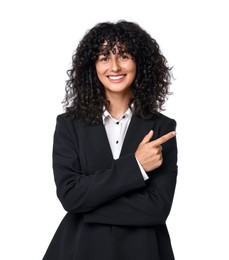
160,148
147,137
164,138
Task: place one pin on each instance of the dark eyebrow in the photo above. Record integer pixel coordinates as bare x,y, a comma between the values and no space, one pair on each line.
104,53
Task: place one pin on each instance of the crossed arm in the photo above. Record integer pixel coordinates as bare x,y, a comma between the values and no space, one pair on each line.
118,195
149,205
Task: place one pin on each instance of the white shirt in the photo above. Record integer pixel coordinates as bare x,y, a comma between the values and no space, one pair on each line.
116,132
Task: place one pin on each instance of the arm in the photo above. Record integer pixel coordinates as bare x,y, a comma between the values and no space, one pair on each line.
149,205
79,191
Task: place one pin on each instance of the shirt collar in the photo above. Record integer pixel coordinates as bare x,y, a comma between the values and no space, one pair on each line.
107,115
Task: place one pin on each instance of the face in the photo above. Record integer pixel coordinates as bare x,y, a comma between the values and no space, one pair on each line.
116,71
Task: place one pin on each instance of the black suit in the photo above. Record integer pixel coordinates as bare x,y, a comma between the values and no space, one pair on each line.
113,214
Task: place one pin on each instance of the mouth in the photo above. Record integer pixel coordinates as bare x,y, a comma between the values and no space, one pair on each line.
116,78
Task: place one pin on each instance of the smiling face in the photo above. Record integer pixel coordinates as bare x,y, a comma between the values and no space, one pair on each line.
116,70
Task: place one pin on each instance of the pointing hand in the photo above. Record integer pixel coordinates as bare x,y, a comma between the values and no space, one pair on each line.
149,153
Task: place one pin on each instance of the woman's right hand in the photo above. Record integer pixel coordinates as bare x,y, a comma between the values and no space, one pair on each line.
149,153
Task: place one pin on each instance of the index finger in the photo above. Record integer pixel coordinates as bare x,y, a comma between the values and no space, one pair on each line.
164,138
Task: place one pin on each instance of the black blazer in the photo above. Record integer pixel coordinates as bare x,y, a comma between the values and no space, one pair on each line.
113,214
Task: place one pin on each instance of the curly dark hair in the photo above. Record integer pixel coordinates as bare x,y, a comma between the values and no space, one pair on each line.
85,95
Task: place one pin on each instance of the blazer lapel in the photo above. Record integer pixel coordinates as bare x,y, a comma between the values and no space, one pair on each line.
97,144
97,148
138,128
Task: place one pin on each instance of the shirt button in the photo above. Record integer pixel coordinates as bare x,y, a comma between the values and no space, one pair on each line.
124,117
116,142
117,123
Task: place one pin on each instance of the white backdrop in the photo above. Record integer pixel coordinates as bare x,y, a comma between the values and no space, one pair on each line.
37,42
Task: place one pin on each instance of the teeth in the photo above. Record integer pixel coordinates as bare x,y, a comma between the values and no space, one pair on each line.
115,77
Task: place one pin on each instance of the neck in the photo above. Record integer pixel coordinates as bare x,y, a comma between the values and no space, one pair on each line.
118,105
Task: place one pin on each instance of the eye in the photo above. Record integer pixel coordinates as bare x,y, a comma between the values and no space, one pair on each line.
124,56
103,58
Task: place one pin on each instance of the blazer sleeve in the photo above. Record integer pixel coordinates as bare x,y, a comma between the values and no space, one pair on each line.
80,192
149,205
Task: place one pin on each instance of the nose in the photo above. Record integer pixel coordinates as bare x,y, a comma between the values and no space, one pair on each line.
115,67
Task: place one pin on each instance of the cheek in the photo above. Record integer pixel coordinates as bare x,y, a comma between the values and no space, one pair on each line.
97,68
132,67
133,70
99,73
100,70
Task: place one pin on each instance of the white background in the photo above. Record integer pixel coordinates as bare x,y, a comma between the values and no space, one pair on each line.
37,42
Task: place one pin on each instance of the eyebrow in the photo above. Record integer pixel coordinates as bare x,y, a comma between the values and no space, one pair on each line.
114,51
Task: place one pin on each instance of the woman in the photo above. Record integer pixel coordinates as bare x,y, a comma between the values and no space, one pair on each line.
112,175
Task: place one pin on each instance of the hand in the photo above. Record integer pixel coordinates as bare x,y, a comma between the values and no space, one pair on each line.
149,153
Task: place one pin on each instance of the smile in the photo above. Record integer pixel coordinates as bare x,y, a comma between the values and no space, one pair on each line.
116,78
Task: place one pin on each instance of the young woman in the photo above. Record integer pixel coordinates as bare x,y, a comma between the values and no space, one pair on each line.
114,153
